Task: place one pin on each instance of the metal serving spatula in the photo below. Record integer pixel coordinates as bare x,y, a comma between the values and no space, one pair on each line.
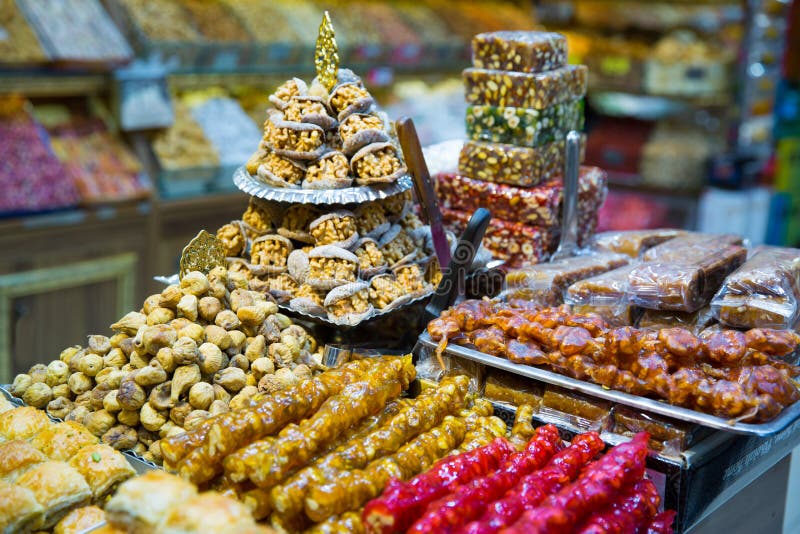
569,222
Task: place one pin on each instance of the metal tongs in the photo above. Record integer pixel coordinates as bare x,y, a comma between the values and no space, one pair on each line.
415,160
569,222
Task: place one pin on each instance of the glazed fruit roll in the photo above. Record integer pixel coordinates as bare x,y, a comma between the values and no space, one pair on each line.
562,469
514,165
401,502
519,51
524,90
233,430
632,511
351,489
424,413
296,444
662,523
596,487
468,501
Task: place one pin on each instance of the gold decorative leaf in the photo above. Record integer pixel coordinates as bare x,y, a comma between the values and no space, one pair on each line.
326,55
203,253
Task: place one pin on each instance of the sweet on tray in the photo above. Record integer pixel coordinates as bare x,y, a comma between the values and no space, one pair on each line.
547,282
519,51
524,126
511,164
682,274
605,294
726,373
512,389
516,89
764,292
634,242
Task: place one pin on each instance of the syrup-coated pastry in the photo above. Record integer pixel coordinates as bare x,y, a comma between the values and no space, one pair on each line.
142,502
80,520
103,468
19,511
22,423
62,440
16,458
58,488
208,512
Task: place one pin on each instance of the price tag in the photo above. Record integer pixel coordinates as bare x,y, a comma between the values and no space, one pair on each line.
615,65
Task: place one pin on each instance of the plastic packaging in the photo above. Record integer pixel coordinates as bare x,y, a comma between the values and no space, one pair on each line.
684,273
516,243
606,295
513,165
537,91
581,412
519,51
667,436
695,322
512,389
762,293
524,126
634,242
547,282
538,206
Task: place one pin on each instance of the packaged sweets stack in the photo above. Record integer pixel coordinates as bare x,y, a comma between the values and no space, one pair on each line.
522,100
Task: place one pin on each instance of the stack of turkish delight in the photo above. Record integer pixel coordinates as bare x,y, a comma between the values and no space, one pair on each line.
522,99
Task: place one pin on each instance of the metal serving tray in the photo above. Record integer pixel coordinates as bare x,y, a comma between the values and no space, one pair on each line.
347,195
786,417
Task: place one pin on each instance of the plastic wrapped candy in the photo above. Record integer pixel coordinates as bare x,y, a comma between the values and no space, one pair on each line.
524,126
547,282
634,242
762,293
519,51
537,91
683,273
511,164
604,294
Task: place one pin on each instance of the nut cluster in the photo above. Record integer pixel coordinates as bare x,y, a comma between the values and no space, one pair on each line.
334,230
369,256
199,348
297,109
283,168
334,167
378,163
356,123
346,95
398,248
411,278
384,290
356,303
257,217
286,138
331,269
269,251
232,239
370,217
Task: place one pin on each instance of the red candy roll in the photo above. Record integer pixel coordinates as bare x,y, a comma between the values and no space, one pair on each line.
562,469
632,510
596,487
662,523
470,500
402,502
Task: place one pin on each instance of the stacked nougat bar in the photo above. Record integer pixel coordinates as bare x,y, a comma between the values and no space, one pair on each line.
522,99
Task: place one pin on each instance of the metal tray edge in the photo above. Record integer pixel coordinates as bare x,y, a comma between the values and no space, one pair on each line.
676,412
